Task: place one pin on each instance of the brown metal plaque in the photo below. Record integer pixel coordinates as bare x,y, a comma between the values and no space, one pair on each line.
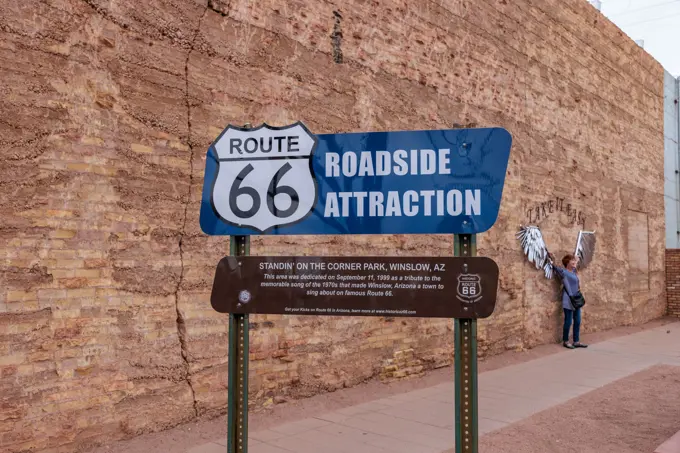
426,287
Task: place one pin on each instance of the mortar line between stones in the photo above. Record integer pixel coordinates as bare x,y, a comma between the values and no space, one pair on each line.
181,322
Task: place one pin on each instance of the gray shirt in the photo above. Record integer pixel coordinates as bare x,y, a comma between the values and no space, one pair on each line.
571,285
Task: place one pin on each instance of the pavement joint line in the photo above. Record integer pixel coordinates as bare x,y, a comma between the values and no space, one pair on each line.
492,419
416,421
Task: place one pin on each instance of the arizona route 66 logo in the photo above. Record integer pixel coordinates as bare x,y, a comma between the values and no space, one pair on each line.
469,289
265,178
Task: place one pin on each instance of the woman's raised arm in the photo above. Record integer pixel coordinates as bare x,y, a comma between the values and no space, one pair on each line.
558,270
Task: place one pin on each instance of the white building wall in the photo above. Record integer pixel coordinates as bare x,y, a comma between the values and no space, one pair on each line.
671,160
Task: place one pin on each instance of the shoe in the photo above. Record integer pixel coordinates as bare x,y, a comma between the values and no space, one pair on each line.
580,345
567,345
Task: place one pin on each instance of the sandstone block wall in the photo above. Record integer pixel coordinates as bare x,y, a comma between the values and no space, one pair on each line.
107,110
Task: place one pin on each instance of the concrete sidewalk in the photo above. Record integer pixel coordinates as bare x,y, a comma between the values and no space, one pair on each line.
422,421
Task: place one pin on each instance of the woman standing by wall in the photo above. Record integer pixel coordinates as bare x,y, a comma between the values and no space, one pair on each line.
570,287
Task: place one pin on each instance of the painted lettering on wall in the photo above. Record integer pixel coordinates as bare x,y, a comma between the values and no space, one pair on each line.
543,210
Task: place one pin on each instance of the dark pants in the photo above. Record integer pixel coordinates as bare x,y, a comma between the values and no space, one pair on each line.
568,316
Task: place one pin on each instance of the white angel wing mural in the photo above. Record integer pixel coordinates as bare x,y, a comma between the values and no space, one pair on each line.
585,248
531,239
536,251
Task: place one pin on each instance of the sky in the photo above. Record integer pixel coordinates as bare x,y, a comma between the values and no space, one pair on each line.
657,22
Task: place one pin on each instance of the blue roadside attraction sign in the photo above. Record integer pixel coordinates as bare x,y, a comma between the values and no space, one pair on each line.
288,181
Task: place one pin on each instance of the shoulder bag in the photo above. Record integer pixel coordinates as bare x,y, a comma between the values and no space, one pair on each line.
577,300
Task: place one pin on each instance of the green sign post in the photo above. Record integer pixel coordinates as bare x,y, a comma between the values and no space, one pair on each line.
237,381
465,363
239,355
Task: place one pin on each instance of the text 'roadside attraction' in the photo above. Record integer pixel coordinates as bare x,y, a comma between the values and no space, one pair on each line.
288,181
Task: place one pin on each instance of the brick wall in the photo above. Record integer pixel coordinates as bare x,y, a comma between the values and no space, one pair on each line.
673,281
106,329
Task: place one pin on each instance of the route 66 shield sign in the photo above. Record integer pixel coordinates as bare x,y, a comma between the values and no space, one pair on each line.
469,287
264,177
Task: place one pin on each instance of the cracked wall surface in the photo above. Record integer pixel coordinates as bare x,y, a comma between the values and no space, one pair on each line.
106,329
